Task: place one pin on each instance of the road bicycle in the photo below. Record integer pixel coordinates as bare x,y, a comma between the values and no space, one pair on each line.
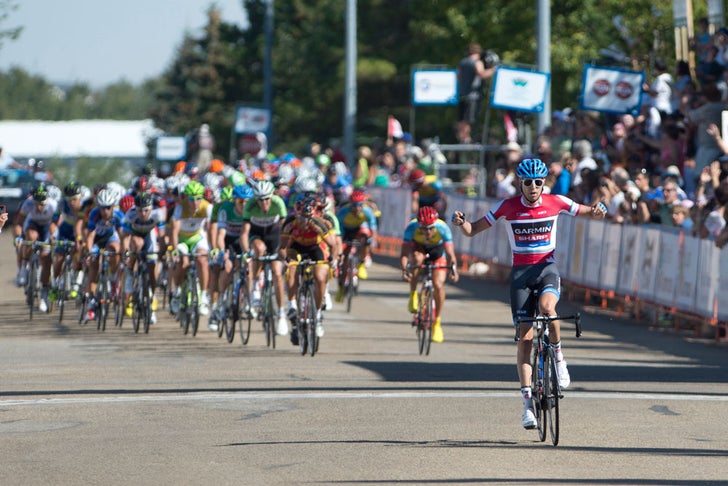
308,341
228,312
64,281
546,391
33,286
349,280
189,311
241,311
266,313
142,295
424,319
105,289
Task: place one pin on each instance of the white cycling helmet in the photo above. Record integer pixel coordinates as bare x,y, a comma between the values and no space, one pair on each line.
106,197
263,189
305,184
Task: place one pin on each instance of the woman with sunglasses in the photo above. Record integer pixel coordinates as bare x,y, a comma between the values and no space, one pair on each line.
532,218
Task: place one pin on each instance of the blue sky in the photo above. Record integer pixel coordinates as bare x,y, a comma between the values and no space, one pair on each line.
101,41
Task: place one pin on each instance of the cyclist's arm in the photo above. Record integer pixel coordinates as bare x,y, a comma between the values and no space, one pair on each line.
18,226
466,227
175,233
405,255
244,235
596,211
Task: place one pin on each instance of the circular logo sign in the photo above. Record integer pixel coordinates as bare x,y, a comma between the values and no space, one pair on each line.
601,87
623,90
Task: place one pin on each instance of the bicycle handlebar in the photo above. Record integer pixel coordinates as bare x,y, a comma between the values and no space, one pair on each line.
548,319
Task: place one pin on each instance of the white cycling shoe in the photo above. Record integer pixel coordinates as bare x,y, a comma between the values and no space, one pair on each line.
528,420
562,372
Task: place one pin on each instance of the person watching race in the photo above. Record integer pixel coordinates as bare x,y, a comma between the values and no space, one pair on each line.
34,222
428,238
359,223
532,218
102,234
189,238
306,235
261,234
142,230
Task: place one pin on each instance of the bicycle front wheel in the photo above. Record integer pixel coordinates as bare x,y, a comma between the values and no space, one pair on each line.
553,400
425,318
311,320
194,308
32,287
243,310
537,396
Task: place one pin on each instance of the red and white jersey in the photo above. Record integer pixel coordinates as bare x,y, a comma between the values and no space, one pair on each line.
532,228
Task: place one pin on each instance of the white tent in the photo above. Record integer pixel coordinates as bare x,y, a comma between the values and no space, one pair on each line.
76,138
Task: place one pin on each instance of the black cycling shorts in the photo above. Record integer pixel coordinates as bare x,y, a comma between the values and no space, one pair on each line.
530,281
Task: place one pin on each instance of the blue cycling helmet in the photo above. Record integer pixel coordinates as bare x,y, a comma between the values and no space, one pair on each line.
532,169
243,192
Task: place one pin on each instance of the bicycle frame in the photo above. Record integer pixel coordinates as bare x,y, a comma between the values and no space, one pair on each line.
424,318
267,314
546,391
307,311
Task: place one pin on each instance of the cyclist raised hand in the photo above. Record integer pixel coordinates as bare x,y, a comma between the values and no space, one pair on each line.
532,218
428,238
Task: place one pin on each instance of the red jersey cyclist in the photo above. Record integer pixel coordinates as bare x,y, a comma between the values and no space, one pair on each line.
532,218
428,238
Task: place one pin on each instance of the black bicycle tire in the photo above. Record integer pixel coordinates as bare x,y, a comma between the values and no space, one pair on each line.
194,308
302,320
312,321
553,402
146,301
350,282
268,306
545,418
83,301
136,317
184,317
32,288
224,321
536,395
242,300
429,300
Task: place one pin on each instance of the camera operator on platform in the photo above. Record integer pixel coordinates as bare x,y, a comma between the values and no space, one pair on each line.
473,70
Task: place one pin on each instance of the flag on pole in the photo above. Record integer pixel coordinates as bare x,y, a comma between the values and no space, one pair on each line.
394,128
511,130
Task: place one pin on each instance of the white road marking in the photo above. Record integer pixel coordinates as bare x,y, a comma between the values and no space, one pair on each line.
242,396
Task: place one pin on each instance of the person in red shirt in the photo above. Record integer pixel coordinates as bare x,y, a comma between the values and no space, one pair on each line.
532,217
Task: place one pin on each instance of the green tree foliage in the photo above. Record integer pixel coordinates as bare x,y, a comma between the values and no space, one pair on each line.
10,33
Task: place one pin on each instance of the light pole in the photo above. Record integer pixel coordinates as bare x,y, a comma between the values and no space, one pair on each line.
350,84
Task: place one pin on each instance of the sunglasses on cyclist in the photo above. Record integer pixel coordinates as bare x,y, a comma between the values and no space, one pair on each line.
194,198
537,182
426,228
105,207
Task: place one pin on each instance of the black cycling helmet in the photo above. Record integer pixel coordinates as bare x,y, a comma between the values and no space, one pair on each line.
143,200
72,189
40,193
149,171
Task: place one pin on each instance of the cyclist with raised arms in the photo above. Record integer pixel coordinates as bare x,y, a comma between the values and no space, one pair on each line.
532,218
261,233
428,238
142,229
189,237
34,222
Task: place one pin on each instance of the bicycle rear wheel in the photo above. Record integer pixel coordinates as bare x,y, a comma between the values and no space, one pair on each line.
553,400
537,394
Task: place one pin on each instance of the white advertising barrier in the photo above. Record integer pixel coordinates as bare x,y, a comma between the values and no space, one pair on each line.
611,249
723,286
707,288
659,266
395,205
687,278
668,261
629,260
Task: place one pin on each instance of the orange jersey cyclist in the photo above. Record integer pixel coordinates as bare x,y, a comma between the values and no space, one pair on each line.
428,238
310,236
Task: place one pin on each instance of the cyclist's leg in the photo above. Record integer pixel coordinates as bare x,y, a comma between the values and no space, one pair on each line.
415,260
200,250
523,305
550,291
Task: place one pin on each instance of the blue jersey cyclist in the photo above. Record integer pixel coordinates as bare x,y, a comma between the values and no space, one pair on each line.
103,223
532,217
428,238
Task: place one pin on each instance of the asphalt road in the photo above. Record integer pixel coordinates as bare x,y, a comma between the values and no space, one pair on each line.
82,407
